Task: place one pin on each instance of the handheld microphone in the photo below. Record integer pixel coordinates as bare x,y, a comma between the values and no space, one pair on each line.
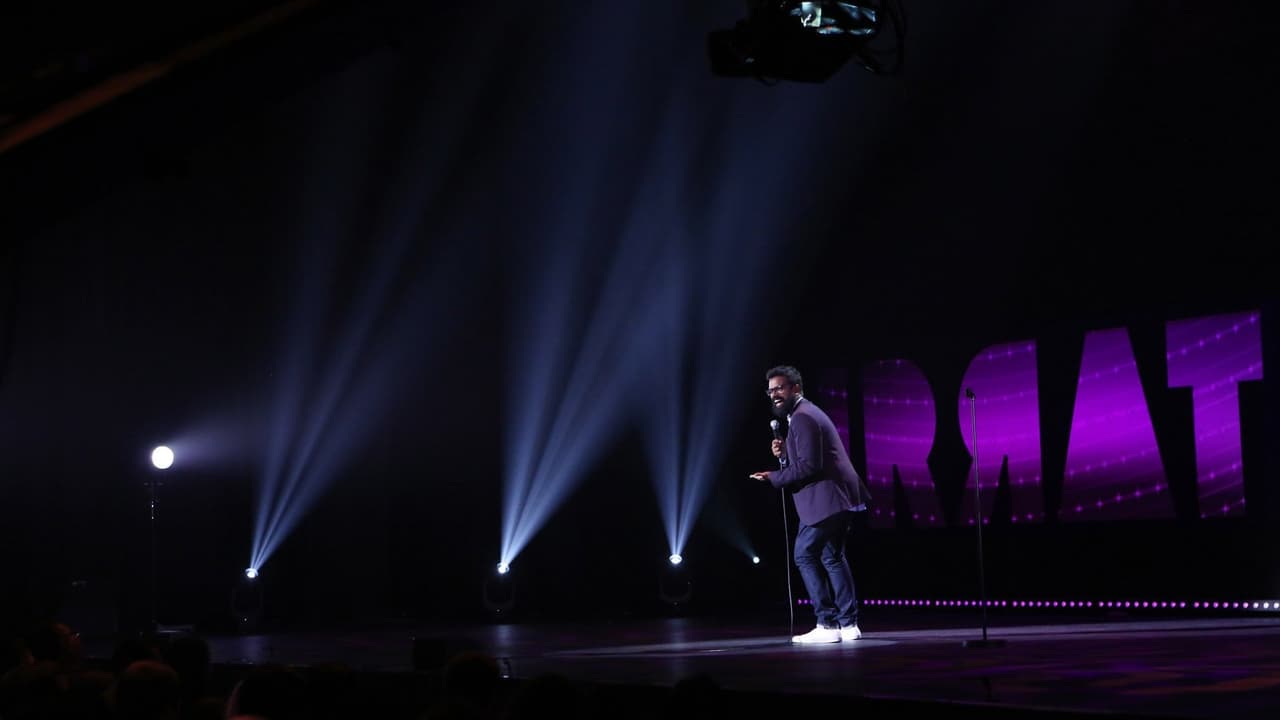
776,427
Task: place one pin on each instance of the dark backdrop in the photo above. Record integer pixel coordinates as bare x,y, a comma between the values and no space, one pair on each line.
1035,172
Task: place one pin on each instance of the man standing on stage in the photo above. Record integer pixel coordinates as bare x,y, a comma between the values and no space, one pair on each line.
827,492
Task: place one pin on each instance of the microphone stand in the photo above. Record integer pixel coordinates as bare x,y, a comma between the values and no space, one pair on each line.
977,495
776,427
786,556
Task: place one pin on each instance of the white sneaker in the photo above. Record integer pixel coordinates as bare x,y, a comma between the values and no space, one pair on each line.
818,635
850,633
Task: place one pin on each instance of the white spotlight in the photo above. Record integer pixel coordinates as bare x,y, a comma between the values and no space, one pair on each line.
162,457
251,573
675,559
755,559
503,568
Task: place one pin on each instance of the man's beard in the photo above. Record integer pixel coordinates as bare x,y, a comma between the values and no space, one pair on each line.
782,411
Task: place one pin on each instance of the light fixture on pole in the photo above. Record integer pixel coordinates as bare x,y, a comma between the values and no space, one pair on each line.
161,459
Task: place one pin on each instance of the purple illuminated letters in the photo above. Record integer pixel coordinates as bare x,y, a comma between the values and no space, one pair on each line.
1008,416
901,420
1113,465
1211,356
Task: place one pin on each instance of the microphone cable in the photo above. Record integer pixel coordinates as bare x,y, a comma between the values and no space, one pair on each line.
786,537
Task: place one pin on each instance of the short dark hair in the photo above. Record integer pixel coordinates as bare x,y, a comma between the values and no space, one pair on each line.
785,371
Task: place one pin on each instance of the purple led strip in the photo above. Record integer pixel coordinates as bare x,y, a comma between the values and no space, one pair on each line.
1246,605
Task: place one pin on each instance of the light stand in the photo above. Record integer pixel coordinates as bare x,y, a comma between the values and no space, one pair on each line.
247,602
977,495
162,460
153,623
499,594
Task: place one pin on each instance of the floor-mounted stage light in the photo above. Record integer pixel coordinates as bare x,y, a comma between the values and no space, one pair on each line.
248,601
675,587
500,590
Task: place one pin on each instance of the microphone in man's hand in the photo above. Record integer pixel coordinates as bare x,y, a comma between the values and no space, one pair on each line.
776,427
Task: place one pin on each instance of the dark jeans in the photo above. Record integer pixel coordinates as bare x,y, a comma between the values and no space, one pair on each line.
825,569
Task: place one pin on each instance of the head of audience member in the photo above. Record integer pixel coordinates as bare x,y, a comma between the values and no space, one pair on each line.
56,643
270,691
146,690
188,655
130,650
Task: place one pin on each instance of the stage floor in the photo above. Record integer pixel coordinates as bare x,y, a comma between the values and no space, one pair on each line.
1191,668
